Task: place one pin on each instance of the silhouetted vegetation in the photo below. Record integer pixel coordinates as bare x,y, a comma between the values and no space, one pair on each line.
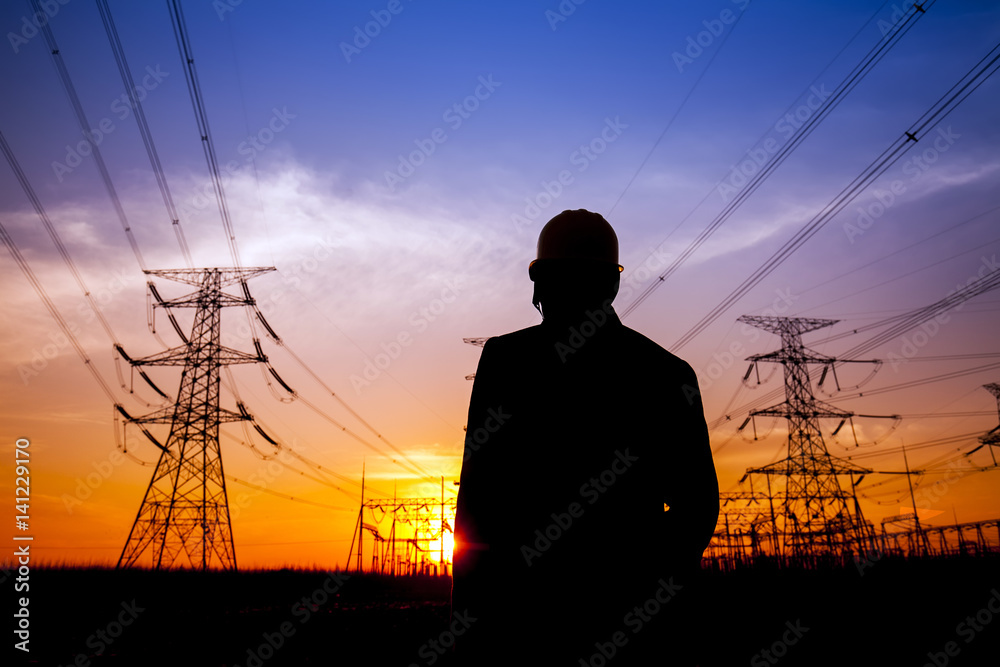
887,611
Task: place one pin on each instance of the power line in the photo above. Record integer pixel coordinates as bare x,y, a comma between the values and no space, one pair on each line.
680,108
29,192
263,489
201,116
855,270
85,126
947,103
54,312
919,383
772,395
147,136
874,55
22,179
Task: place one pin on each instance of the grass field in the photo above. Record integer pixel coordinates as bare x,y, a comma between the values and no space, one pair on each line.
891,612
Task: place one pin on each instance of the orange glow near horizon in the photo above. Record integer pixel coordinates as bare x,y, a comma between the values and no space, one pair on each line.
449,549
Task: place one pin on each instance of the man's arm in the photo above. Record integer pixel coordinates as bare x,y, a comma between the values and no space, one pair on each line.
692,486
475,498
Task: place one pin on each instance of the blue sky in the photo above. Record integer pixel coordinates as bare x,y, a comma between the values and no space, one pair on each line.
360,256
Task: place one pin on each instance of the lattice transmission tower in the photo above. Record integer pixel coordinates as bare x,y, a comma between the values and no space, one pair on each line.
184,516
819,515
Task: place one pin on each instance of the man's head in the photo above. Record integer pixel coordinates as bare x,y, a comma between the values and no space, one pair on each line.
577,264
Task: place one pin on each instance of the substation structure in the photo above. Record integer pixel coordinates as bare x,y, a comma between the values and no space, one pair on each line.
404,536
905,535
797,510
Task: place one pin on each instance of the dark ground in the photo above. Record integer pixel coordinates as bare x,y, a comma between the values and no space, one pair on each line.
895,613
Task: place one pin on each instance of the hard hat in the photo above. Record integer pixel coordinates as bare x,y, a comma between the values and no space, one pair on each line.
577,235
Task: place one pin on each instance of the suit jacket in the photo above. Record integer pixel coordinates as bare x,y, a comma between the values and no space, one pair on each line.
578,439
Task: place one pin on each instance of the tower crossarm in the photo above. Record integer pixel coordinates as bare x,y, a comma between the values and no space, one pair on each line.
820,465
167,415
727,497
179,356
801,355
785,326
195,300
227,276
816,409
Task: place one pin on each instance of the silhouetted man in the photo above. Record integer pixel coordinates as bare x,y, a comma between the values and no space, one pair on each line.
588,490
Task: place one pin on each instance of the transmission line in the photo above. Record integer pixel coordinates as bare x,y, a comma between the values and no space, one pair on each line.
802,132
670,122
147,136
201,116
29,192
85,126
54,312
948,102
882,258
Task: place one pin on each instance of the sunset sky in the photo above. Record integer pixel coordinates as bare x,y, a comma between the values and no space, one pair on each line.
397,182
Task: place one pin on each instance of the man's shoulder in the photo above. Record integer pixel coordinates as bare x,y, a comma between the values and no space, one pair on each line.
515,340
526,334
642,346
631,342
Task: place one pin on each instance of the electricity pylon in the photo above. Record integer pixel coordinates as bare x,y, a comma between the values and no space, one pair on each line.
819,515
993,437
185,512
